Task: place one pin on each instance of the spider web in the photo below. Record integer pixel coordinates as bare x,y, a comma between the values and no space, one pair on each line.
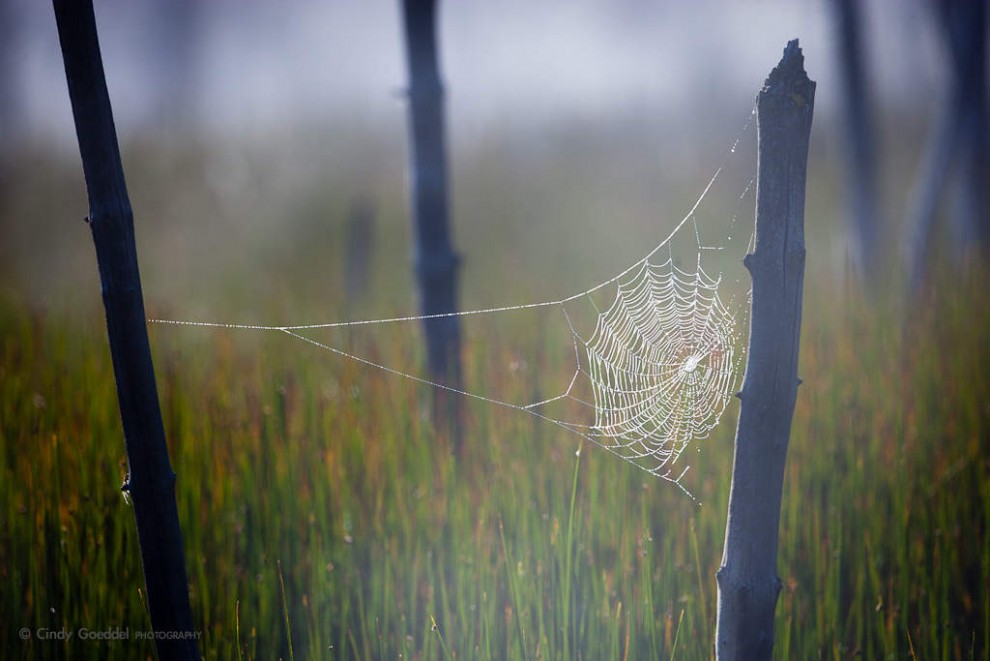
662,364
658,368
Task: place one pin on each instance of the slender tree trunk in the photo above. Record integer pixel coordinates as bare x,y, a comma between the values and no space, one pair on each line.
435,260
924,208
864,219
9,112
966,36
960,143
359,241
748,584
177,49
8,97
150,480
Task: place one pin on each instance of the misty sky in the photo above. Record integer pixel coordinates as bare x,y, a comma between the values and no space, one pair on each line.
256,66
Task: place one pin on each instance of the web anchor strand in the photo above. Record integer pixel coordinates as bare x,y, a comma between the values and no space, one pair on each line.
662,363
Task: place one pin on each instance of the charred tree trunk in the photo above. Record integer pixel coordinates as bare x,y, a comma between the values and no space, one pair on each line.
436,263
359,241
9,112
864,219
959,144
8,96
748,584
150,480
176,44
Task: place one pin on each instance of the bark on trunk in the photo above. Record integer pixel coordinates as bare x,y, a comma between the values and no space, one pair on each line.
748,584
436,263
150,480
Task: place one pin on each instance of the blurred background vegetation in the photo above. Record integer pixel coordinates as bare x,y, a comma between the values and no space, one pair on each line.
265,148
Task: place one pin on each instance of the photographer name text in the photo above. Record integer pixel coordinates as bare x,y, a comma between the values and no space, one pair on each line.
108,634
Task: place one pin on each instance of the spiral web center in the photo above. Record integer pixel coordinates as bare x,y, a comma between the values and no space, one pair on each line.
662,363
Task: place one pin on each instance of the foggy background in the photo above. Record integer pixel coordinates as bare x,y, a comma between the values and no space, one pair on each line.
253,131
247,67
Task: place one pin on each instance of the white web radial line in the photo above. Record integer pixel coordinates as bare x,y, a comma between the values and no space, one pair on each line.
462,313
566,426
660,362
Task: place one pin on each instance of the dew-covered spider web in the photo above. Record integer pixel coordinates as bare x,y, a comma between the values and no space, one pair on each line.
656,351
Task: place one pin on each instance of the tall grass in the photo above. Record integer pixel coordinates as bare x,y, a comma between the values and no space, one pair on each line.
324,519
320,509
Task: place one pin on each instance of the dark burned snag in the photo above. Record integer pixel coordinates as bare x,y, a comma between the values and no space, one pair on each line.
864,219
435,259
748,584
958,146
150,482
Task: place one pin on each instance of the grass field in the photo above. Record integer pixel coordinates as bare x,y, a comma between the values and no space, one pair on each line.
298,469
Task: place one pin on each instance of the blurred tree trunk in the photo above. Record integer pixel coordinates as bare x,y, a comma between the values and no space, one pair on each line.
864,220
436,263
8,29
177,49
959,144
8,97
150,480
10,114
359,243
748,584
